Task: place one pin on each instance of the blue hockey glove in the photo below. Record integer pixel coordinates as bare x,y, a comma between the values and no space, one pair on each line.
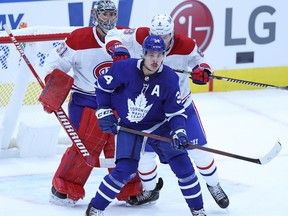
118,52
107,120
179,139
201,74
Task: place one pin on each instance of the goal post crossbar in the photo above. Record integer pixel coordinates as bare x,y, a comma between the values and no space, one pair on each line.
37,34
34,38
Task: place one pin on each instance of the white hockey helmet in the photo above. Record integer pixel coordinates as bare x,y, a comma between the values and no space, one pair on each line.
161,24
99,17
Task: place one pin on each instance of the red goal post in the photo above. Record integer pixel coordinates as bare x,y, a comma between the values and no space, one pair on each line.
18,88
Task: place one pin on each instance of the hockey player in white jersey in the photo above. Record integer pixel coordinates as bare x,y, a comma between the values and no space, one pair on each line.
146,95
83,52
181,53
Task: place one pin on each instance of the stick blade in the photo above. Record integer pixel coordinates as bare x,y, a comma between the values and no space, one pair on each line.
272,154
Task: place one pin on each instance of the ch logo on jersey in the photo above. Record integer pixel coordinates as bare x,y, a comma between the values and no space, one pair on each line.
102,68
193,19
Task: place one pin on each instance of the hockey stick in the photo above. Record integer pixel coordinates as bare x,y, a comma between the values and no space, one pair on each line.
246,82
60,114
262,160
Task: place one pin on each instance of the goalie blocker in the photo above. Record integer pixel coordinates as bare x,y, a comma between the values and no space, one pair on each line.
58,85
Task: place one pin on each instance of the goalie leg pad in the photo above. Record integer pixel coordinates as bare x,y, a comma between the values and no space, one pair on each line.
73,172
73,191
109,149
58,85
94,139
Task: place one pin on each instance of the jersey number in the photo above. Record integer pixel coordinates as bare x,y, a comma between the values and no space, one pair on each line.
108,79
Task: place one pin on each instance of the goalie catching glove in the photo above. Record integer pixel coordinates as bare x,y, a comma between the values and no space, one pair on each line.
201,74
58,85
118,52
107,120
179,139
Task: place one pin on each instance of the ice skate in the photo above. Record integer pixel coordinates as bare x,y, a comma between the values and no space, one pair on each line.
146,197
60,199
91,211
219,195
200,212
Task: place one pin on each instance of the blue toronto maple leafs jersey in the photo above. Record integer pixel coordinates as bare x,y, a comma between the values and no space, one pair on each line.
141,101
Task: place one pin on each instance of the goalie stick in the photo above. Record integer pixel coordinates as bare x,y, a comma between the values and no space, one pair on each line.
246,82
60,114
262,160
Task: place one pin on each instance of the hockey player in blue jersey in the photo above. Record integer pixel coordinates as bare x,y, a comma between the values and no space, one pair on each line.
181,53
145,93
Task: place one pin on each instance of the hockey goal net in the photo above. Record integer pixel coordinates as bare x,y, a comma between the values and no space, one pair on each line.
19,90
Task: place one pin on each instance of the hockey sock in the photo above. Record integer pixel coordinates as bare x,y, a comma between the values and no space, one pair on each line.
111,185
187,180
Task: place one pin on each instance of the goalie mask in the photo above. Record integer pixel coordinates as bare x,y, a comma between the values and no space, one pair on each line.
104,14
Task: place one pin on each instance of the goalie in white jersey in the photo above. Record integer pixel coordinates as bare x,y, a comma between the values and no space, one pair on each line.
181,53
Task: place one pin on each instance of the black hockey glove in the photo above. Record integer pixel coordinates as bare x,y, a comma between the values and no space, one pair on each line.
107,120
179,139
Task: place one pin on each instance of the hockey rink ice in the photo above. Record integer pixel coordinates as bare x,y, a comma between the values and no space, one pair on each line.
247,123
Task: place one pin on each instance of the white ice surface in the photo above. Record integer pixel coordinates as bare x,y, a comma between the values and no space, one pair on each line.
247,123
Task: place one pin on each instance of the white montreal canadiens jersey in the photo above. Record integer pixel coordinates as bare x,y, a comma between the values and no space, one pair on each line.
141,102
84,53
183,53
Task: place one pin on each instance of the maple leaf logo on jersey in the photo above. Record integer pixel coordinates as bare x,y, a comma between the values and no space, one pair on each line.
138,110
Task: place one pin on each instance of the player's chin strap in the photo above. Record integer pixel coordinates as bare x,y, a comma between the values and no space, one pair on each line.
263,160
171,44
246,82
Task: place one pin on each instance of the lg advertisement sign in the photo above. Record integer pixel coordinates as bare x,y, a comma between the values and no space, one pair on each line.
242,31
194,19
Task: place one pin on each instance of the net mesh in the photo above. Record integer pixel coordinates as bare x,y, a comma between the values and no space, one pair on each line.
20,90
5,93
36,43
